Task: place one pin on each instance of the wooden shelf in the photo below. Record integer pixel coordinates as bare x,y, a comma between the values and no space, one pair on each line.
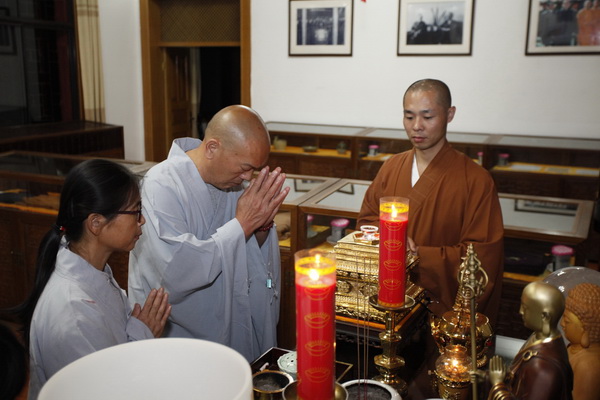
296,150
522,167
539,166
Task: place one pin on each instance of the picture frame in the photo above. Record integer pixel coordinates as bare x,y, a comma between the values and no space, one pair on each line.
546,207
554,29
7,35
435,27
320,27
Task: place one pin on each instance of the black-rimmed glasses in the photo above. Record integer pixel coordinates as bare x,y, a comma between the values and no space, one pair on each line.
138,212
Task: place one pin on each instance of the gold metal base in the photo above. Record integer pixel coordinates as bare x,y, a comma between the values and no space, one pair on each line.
409,302
389,363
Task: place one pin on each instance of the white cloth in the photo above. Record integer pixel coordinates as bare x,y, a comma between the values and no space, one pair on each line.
222,288
414,178
80,311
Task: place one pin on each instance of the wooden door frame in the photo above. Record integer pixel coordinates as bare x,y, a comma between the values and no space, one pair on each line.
153,59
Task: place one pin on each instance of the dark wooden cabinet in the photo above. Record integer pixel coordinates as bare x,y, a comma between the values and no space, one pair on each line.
538,166
30,184
545,166
319,150
74,137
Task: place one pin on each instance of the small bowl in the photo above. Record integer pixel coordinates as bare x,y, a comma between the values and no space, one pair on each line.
269,385
370,388
310,149
291,392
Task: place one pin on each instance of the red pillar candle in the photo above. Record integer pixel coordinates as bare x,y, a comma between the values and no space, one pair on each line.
315,324
393,220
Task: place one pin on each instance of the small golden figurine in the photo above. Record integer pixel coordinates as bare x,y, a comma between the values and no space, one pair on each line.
540,370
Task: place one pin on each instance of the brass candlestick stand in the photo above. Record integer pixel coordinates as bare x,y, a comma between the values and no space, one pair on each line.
389,363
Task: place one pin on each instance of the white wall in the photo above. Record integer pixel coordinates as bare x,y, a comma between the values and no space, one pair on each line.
121,54
496,90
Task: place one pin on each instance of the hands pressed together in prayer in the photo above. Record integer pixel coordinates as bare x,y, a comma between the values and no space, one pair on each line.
155,312
260,202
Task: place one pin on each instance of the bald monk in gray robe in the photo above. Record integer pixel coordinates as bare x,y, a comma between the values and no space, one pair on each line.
452,201
209,242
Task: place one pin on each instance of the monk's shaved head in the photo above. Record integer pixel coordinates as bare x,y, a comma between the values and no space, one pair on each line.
440,88
238,125
236,143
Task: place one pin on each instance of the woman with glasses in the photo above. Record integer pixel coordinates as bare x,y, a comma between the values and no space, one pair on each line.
76,306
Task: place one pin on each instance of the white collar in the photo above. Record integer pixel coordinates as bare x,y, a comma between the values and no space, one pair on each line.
415,172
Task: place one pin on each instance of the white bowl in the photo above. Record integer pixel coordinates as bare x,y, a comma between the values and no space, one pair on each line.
169,368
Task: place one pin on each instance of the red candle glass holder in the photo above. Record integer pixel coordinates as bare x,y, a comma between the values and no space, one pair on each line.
315,324
393,221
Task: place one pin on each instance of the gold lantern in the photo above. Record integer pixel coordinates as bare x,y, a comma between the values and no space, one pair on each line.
452,373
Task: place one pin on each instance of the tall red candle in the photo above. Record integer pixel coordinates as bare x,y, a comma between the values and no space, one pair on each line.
315,324
393,220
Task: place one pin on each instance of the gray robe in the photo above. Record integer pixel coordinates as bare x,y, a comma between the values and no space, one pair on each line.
81,310
222,288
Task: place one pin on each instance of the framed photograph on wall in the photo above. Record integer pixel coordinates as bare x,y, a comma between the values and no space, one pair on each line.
435,27
320,27
567,27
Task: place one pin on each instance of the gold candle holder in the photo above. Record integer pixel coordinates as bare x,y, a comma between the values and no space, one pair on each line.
389,363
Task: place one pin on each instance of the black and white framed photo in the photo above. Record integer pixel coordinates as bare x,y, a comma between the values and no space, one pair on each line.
435,27
320,27
563,27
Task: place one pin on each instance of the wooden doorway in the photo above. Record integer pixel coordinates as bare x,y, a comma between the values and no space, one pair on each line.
178,89
169,28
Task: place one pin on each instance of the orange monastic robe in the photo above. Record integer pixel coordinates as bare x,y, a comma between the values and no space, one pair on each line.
586,25
453,203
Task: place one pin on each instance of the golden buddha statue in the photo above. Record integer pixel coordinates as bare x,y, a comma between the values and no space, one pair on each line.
581,326
541,368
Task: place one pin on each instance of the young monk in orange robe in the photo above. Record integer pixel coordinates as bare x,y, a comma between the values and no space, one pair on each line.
452,202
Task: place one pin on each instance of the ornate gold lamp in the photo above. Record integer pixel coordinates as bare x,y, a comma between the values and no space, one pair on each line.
452,371
463,326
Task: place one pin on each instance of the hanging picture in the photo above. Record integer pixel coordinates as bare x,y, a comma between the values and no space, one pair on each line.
567,27
320,27
435,27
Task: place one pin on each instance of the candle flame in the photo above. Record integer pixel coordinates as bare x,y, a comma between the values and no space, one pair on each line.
394,211
313,274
